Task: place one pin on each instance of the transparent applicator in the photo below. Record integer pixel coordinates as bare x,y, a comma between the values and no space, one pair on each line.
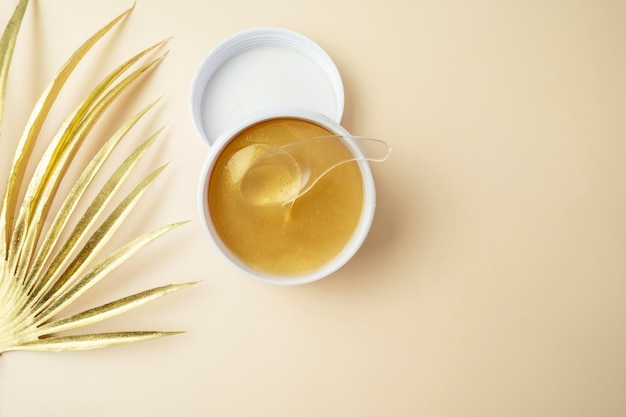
277,175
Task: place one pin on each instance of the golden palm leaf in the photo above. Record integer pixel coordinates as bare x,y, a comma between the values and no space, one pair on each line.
43,269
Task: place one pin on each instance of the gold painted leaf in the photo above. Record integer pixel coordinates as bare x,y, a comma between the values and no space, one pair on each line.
109,310
7,46
88,341
44,264
33,127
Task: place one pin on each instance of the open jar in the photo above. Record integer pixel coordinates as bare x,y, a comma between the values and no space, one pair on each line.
268,87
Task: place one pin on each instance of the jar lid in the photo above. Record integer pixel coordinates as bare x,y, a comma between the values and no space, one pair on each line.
262,69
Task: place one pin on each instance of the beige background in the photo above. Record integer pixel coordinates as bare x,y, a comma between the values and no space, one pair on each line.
493,282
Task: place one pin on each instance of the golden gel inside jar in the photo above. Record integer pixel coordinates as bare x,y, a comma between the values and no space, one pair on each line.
292,239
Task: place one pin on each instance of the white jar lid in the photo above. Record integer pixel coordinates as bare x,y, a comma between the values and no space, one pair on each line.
258,70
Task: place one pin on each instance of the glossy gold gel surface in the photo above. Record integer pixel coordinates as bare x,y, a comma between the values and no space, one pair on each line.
296,238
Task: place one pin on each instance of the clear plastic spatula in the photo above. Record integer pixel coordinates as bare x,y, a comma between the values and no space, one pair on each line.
277,175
